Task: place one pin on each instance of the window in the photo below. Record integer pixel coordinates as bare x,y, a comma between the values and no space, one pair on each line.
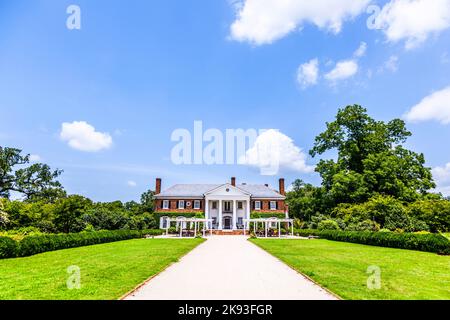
214,205
274,224
166,204
240,205
257,205
197,204
163,222
273,205
227,206
181,204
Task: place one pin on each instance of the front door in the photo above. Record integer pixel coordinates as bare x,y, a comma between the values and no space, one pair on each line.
227,223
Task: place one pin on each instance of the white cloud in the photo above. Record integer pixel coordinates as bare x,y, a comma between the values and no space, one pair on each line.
131,183
413,21
80,135
434,107
442,178
265,21
361,51
392,64
343,70
308,73
274,151
35,158
445,59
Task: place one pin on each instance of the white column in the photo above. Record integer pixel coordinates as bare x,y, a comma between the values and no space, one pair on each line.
206,212
220,214
248,210
234,215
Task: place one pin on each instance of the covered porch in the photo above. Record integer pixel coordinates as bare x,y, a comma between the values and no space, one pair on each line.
227,207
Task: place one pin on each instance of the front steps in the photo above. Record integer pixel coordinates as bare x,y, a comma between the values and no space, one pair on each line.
228,232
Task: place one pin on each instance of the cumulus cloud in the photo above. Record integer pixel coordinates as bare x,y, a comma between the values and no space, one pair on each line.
265,21
442,178
308,73
274,151
413,21
82,136
343,70
433,107
361,51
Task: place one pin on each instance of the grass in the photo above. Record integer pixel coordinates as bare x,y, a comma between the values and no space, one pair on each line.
108,271
342,268
447,235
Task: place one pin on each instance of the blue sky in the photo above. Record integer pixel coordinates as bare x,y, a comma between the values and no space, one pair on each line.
138,71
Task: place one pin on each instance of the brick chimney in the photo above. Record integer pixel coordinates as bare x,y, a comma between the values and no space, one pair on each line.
233,181
282,190
158,186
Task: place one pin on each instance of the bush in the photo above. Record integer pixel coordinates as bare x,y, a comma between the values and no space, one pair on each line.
8,247
366,225
153,232
34,244
328,225
421,242
434,213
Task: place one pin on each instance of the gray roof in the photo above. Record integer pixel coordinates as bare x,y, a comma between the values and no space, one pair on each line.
199,190
188,190
260,191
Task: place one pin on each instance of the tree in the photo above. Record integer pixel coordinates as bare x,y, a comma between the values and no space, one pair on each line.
371,159
36,182
69,211
4,217
147,201
306,200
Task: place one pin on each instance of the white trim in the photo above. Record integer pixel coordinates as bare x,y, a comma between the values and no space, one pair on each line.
259,205
166,205
228,186
197,204
181,207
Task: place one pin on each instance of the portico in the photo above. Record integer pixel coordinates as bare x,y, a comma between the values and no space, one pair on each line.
227,207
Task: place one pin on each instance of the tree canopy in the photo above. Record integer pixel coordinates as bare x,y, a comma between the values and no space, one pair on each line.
36,181
371,159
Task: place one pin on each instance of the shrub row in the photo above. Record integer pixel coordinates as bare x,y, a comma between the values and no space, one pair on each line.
421,242
35,244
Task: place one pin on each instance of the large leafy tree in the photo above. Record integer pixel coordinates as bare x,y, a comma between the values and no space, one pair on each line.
35,182
371,159
69,211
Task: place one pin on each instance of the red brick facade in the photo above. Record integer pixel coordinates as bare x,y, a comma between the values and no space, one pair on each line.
173,205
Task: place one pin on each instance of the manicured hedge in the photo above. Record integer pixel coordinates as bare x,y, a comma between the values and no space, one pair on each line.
8,247
263,215
50,242
422,242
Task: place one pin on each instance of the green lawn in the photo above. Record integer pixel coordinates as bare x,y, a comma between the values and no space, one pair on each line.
107,270
341,267
447,235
